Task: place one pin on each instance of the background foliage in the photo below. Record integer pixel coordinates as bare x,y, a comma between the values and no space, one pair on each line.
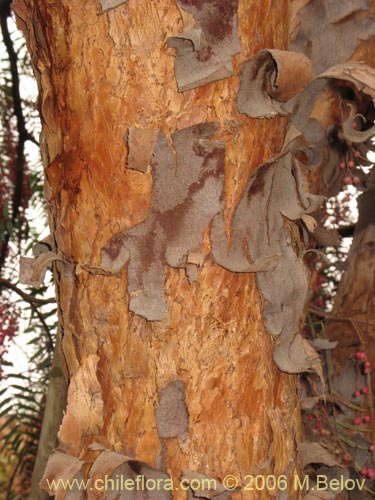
27,316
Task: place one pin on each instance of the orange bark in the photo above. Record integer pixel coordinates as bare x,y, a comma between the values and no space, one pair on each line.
98,75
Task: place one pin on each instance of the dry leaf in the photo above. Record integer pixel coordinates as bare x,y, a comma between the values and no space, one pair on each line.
314,453
309,403
310,222
326,237
323,344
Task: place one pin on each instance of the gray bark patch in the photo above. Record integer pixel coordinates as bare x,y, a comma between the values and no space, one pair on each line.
141,143
172,417
269,79
187,194
274,197
143,483
111,4
204,52
326,40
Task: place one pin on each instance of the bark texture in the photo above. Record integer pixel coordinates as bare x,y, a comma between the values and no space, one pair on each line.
100,74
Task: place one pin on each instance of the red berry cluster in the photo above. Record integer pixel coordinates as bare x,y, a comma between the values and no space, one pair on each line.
367,473
357,393
8,327
354,157
350,164
361,356
318,427
362,420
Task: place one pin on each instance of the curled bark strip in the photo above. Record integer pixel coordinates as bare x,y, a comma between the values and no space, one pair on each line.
194,36
270,78
108,465
323,344
353,134
43,246
314,155
336,11
276,195
294,354
332,176
359,74
33,271
121,468
309,222
295,7
326,24
203,53
313,131
61,466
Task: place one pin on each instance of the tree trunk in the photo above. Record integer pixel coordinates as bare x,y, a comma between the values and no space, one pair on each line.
352,323
53,414
208,362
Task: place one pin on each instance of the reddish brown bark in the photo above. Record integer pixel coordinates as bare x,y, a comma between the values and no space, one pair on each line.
98,75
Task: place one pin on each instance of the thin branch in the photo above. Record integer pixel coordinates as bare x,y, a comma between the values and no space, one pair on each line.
34,303
25,296
13,476
31,138
17,106
23,134
332,317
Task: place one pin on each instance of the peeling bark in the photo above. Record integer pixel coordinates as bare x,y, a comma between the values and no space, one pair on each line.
101,75
204,52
